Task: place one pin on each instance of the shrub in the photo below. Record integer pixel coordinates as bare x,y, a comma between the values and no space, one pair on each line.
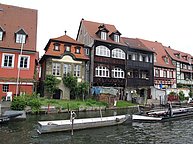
18,103
35,104
181,96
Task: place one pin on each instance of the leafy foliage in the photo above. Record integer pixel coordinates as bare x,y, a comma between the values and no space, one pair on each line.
51,83
190,93
19,103
181,96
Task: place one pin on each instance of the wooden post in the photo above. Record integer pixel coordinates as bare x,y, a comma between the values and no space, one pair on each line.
0,109
48,108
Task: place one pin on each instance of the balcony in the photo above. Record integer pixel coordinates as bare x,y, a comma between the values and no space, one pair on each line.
104,81
139,64
187,82
137,82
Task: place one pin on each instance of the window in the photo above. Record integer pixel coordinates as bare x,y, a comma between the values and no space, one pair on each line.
8,60
171,74
103,35
155,58
118,73
67,69
57,47
77,50
67,48
164,74
5,88
56,69
77,70
86,51
157,73
118,53
101,71
1,35
134,56
102,51
130,74
20,38
23,61
116,38
166,60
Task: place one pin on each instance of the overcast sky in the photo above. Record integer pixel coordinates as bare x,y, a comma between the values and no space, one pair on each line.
167,21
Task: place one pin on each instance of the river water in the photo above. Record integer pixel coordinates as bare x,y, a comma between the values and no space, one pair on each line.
173,132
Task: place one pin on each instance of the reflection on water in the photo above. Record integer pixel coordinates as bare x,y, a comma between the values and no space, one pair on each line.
24,132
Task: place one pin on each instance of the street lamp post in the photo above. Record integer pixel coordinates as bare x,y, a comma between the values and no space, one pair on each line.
18,72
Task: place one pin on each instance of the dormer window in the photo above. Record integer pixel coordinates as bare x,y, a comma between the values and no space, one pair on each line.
57,47
1,34
67,48
102,32
103,35
116,38
77,50
20,36
177,55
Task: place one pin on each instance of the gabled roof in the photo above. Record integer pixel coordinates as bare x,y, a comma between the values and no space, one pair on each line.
93,27
12,19
160,52
135,44
63,40
66,38
173,54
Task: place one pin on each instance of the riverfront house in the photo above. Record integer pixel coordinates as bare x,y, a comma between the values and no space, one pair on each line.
18,55
114,63
63,55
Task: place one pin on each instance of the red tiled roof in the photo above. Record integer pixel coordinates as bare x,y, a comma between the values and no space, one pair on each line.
66,38
160,52
92,28
172,53
63,40
135,43
14,18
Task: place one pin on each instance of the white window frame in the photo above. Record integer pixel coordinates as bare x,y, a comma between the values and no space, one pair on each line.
20,38
77,70
118,73
28,61
56,69
86,51
67,69
103,35
102,51
56,47
118,53
102,71
116,38
1,35
3,59
68,48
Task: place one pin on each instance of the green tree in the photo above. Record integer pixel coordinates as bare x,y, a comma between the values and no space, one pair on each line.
71,82
51,84
190,93
83,89
181,96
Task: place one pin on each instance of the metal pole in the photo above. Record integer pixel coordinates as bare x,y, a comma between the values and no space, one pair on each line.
190,62
18,73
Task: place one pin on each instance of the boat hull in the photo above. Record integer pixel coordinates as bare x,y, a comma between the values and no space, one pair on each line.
146,118
66,125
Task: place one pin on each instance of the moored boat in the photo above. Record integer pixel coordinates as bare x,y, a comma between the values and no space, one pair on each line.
75,124
164,115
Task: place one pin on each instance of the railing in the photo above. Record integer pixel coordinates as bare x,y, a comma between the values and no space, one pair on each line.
109,81
138,64
139,82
